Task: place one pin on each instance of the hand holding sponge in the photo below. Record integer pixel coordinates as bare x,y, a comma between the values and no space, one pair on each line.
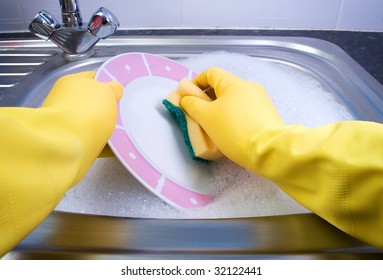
334,170
199,144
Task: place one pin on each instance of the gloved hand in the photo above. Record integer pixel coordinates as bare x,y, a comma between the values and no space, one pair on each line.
241,109
335,170
45,151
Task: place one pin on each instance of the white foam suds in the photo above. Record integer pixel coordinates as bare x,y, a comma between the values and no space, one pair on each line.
109,189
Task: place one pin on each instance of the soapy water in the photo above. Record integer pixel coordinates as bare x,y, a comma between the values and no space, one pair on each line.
109,189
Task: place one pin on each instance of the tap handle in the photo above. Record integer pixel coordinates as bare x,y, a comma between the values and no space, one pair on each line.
43,25
103,23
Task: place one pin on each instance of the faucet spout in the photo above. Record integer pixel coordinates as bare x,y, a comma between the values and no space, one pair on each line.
72,37
71,15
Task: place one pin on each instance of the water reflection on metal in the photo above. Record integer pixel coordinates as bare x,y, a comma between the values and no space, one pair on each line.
78,236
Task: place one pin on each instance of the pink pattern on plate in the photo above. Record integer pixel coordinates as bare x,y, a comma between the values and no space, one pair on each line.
152,177
163,67
184,197
133,158
103,77
119,120
126,68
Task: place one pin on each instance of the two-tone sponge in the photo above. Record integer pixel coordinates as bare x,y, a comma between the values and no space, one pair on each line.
199,144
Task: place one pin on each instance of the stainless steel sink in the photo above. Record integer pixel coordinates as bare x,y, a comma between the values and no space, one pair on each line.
29,68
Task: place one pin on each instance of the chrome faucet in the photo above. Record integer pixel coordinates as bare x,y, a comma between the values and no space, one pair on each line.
72,37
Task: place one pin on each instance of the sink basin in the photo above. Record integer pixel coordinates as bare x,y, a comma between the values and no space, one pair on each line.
28,70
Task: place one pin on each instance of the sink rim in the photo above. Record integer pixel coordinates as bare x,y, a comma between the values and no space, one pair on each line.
330,55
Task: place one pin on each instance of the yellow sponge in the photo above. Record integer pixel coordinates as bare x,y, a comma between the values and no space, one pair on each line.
197,141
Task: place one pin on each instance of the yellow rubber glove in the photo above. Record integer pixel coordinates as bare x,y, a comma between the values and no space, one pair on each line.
45,151
335,170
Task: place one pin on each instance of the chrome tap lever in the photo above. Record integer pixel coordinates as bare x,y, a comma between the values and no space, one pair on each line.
72,37
103,23
43,25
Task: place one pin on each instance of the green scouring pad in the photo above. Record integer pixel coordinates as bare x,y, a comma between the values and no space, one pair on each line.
198,143
180,117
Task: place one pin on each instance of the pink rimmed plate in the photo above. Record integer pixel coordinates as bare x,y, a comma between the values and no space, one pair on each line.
146,138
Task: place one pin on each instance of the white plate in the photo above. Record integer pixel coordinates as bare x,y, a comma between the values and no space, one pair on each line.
147,139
